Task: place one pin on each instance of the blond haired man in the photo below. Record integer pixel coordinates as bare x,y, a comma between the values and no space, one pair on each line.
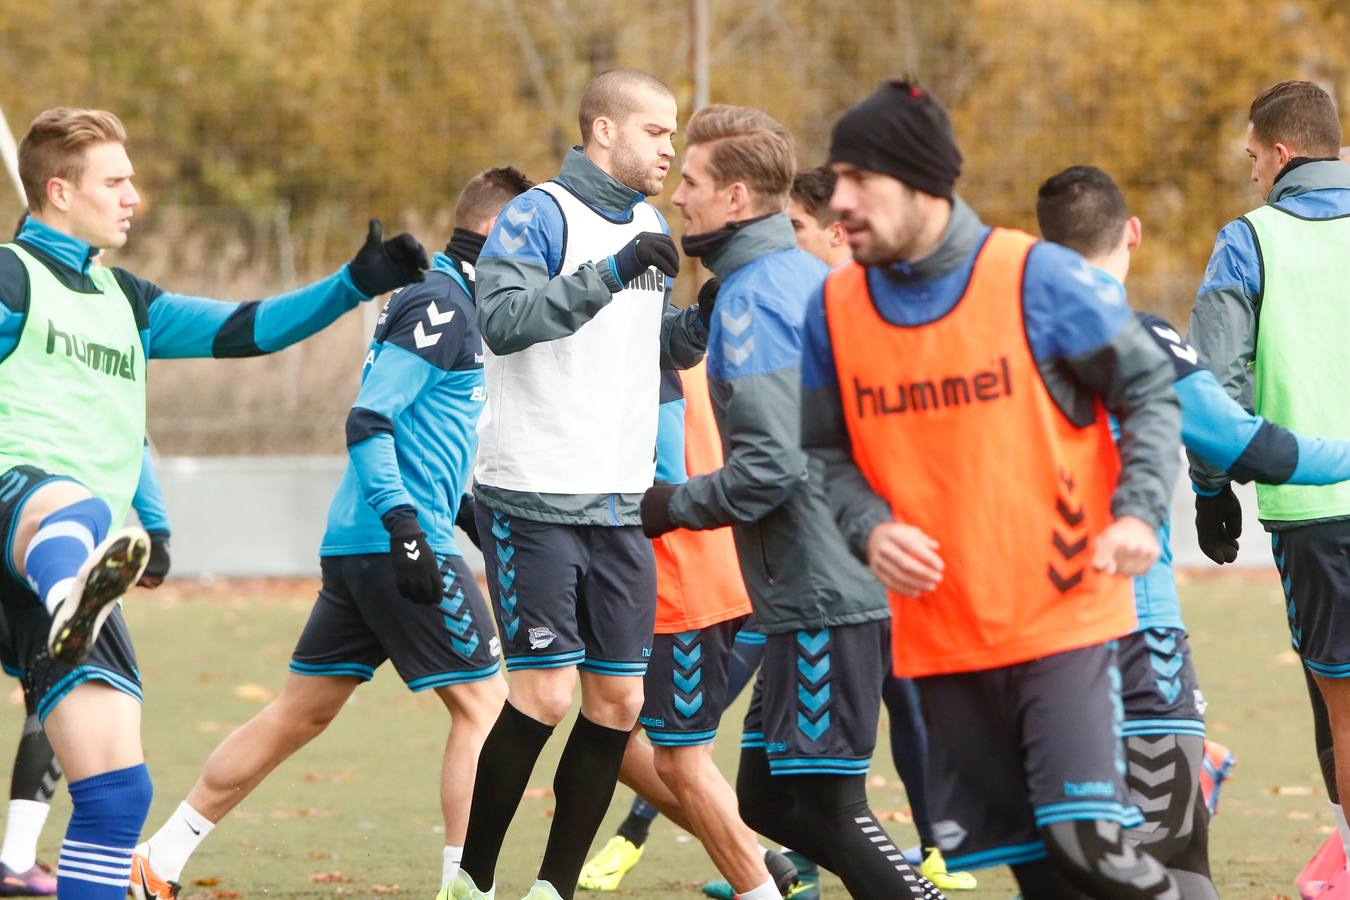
812,724
74,340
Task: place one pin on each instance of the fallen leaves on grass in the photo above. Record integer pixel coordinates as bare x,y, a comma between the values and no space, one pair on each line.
1286,659
307,812
384,889
328,878
894,815
343,777
321,854
538,794
208,881
258,693
1292,790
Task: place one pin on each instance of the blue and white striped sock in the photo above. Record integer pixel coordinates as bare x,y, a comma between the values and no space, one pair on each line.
107,814
63,542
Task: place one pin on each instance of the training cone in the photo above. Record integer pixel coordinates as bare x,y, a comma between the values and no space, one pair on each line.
1324,876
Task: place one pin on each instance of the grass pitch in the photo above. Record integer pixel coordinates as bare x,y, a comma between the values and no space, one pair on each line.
356,813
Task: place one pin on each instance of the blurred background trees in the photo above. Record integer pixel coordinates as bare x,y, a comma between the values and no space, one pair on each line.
264,132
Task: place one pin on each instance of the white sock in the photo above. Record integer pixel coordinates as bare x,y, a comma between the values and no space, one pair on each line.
766,891
1338,813
176,840
22,829
450,858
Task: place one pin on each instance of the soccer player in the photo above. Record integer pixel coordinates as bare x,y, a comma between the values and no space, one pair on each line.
74,340
701,607
36,771
812,723
410,442
574,308
817,229
1270,322
955,384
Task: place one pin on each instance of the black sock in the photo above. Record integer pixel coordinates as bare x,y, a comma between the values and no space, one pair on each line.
588,771
638,824
909,749
504,768
36,770
861,853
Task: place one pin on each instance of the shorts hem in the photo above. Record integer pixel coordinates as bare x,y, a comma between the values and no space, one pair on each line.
752,638
356,670
1087,810
445,679
608,667
677,739
1140,727
12,671
752,740
1328,670
82,675
554,661
819,765
1013,855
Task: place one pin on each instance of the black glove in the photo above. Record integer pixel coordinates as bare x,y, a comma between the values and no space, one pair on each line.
380,265
157,569
651,248
1218,523
707,299
655,510
467,521
416,569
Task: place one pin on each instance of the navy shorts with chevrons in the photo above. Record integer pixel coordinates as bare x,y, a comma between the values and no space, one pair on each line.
570,595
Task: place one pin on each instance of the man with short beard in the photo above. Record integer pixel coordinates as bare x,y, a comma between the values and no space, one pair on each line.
573,304
956,381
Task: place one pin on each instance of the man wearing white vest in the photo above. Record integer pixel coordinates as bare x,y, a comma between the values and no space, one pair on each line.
573,304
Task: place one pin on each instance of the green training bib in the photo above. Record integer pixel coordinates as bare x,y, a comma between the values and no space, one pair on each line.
72,393
1302,362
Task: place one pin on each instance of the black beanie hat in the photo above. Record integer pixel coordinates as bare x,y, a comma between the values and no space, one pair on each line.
901,131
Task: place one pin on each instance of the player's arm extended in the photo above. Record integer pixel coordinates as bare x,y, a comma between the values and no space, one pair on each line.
757,380
149,499
856,507
1085,338
182,327
1223,327
522,300
1215,428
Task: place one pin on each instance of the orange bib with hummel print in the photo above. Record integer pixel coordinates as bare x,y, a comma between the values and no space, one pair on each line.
953,426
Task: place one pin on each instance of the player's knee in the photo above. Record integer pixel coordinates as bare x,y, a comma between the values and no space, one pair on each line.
1095,853
546,699
678,767
612,702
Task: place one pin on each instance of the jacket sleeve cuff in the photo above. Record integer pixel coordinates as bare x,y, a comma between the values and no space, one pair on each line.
607,274
860,529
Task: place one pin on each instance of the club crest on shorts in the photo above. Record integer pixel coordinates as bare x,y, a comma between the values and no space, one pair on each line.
541,637
495,647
